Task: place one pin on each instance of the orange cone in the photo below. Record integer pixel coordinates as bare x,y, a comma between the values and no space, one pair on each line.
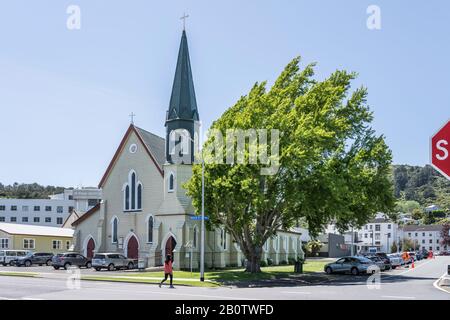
412,266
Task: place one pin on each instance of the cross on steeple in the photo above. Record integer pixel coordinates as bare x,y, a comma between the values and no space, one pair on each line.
132,115
184,17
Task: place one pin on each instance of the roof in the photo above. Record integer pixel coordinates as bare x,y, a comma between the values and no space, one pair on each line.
432,227
154,145
86,215
32,230
183,104
71,215
380,220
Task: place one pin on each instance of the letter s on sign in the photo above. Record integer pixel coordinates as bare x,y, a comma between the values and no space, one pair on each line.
440,147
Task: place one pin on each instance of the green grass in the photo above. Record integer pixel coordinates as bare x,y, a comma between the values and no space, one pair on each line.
140,280
238,274
18,274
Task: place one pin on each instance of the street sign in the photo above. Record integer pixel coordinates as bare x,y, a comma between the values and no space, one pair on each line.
197,218
440,150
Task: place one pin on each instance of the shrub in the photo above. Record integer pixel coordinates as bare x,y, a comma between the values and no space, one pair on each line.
263,263
283,262
269,262
291,260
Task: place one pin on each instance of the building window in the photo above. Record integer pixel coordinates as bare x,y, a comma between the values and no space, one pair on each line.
365,235
370,227
194,240
70,197
59,220
423,241
70,210
24,219
437,240
2,219
430,235
132,193
13,208
36,219
150,229
389,235
4,243
92,202
13,219
59,209
48,208
377,227
423,234
114,229
409,234
48,219
431,241
37,208
223,239
365,227
28,243
56,244
2,208
389,226
25,208
416,234
67,245
171,182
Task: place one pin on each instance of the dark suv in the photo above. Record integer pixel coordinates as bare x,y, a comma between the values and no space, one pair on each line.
65,260
39,258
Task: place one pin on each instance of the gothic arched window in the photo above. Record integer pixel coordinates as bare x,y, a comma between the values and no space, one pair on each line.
132,193
171,182
150,230
114,230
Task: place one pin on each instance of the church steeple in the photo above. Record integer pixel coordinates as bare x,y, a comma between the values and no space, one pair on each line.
182,119
183,104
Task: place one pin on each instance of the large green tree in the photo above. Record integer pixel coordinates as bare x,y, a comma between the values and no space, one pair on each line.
332,166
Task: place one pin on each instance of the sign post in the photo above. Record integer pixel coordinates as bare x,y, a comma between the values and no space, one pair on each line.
440,150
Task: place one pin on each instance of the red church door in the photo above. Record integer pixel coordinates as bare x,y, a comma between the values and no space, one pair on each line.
90,248
133,248
170,245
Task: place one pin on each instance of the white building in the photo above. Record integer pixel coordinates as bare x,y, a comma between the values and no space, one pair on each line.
379,234
48,212
426,237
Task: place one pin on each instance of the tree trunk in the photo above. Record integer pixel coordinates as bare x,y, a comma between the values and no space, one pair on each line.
253,261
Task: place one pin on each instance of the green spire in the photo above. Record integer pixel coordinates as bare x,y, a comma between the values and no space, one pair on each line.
183,104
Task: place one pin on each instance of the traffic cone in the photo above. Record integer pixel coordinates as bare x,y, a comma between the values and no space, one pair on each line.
412,265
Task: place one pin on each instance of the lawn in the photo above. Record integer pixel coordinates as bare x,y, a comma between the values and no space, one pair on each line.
238,274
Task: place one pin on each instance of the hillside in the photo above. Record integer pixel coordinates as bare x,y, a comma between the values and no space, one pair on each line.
28,191
422,184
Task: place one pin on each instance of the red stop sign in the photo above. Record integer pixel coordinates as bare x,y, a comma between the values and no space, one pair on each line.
440,150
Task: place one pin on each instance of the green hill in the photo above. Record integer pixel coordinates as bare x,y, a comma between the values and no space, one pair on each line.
422,184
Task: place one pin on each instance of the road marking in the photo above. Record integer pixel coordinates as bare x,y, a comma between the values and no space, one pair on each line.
295,292
398,297
436,283
409,270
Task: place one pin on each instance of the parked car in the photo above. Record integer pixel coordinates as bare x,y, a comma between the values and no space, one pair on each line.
65,260
445,253
383,263
9,257
395,260
354,264
419,256
112,261
39,258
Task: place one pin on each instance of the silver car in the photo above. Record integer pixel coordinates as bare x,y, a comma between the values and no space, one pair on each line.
112,261
354,265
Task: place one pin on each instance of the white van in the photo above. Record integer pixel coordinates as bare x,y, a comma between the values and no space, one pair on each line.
8,257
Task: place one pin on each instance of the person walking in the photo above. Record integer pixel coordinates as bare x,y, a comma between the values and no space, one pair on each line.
168,270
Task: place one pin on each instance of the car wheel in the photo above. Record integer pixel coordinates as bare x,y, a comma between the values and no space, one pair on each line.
328,270
27,263
111,267
12,263
354,271
55,267
98,269
66,265
89,265
49,262
130,266
394,267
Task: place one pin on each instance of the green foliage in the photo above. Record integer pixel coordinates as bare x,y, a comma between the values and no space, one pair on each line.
445,236
313,246
291,260
28,191
408,244
394,247
283,262
269,262
407,206
332,165
422,185
263,263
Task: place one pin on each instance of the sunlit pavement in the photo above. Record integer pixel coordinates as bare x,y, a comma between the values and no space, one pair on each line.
400,284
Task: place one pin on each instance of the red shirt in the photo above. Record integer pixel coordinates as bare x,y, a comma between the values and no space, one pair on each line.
168,267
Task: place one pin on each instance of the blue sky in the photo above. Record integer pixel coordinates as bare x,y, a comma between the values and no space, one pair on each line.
65,95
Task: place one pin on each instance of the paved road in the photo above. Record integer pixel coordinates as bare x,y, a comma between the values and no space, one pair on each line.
404,284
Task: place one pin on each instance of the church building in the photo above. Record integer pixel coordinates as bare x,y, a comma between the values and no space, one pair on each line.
145,213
